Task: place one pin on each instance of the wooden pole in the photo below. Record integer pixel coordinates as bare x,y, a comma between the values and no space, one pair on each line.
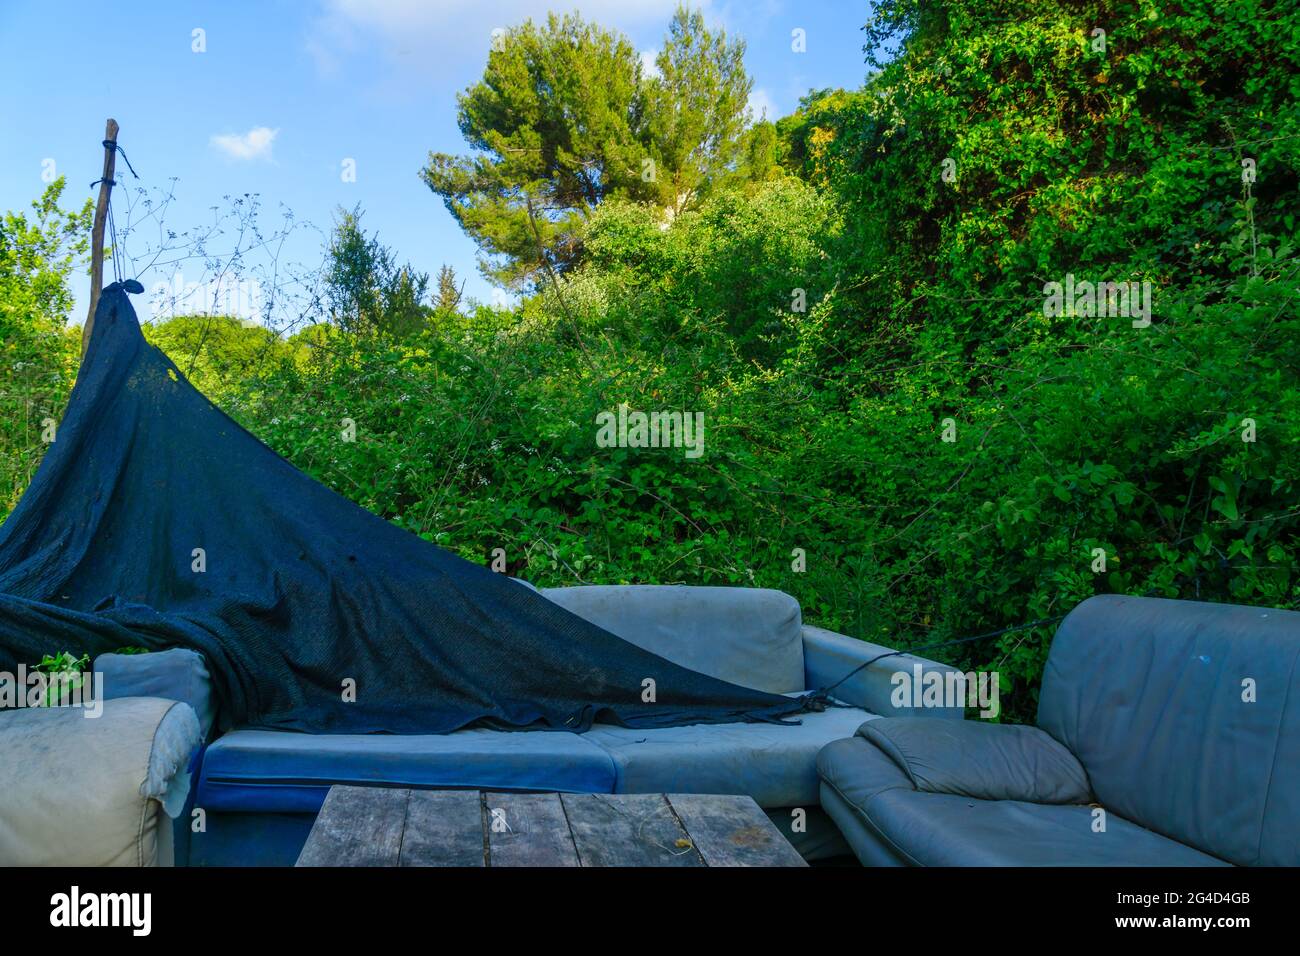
97,233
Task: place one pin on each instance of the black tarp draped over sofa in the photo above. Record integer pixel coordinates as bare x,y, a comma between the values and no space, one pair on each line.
304,594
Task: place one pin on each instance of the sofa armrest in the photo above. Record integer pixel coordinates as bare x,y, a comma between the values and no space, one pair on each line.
92,786
981,760
828,657
174,674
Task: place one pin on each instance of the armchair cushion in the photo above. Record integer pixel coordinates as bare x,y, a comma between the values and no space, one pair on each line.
986,761
81,790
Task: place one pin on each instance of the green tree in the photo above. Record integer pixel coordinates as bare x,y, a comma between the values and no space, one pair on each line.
449,293
564,119
556,124
38,352
759,153
996,154
367,291
696,110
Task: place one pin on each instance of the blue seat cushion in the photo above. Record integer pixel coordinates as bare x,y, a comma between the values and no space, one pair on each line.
282,771
773,763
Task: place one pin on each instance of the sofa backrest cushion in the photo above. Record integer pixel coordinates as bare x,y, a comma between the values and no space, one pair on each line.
177,673
749,636
1187,718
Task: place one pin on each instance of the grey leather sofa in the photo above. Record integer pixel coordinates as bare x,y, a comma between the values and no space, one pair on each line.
1168,734
259,790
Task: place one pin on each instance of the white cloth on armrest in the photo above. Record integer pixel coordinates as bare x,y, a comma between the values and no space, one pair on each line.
174,742
86,791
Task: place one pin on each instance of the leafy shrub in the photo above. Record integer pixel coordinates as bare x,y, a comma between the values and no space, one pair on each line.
64,674
38,354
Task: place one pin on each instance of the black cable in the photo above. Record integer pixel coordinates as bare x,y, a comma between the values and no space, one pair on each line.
114,252
118,258
926,647
825,691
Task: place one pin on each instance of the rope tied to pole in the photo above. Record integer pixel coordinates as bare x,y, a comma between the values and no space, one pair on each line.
112,145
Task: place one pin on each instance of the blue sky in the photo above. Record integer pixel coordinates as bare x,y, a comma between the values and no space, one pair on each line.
286,92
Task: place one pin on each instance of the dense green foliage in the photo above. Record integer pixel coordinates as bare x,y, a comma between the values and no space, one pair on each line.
38,353
216,351
1073,433
861,281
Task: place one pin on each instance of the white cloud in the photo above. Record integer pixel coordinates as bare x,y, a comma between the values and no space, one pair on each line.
255,144
760,103
430,37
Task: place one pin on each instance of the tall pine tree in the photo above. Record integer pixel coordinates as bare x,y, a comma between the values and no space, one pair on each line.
566,117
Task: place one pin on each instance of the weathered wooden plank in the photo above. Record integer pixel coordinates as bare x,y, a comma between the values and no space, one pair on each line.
443,828
732,831
627,829
528,829
357,826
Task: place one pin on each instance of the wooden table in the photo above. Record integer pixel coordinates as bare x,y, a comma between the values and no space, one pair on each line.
381,826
